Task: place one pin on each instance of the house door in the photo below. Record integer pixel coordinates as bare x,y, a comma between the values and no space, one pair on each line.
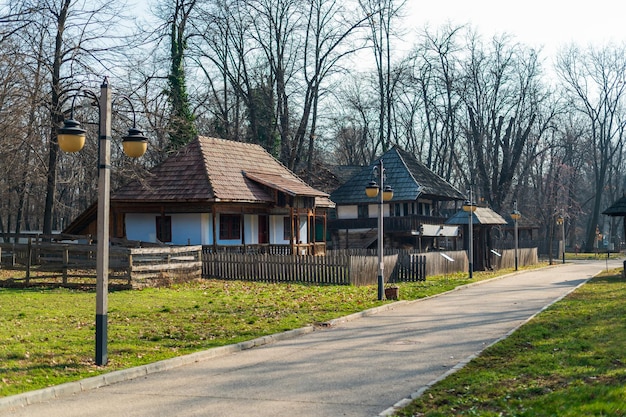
264,226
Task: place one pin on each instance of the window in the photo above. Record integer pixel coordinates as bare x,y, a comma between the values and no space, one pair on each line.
164,228
287,228
363,211
230,226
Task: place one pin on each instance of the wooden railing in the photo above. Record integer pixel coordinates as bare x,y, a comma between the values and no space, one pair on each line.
317,248
390,224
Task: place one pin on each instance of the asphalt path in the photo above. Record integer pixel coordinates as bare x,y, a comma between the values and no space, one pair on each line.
362,365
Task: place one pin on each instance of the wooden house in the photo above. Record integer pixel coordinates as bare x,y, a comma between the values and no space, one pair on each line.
222,194
415,216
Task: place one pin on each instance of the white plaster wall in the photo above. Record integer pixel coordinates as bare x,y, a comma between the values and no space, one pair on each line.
347,212
372,210
277,231
251,228
141,226
304,235
186,229
193,228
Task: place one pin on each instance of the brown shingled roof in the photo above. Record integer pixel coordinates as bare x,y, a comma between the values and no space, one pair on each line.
288,184
210,169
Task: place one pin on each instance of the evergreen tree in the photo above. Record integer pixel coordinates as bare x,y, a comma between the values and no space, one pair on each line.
181,125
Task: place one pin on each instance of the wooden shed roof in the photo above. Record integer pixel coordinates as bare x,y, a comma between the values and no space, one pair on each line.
218,170
482,215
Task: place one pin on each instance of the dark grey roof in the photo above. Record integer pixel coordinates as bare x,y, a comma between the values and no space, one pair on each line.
618,208
408,177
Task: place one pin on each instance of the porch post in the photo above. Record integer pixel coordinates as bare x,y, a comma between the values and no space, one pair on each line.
213,217
292,236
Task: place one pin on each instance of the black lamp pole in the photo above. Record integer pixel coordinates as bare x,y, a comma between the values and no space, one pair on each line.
384,193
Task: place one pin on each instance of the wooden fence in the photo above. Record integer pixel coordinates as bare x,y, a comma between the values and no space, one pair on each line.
158,266
335,268
416,266
75,264
277,268
506,258
331,269
139,267
444,263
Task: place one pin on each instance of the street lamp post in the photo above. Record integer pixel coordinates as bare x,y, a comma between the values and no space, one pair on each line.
561,222
516,215
71,138
470,208
373,190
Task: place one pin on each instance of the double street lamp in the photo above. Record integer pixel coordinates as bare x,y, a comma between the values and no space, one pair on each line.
516,215
71,138
470,207
373,190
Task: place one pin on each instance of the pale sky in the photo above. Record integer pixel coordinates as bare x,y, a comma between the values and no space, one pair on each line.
547,23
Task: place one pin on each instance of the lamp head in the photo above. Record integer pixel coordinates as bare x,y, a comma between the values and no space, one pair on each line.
387,193
134,143
71,136
372,189
469,206
516,215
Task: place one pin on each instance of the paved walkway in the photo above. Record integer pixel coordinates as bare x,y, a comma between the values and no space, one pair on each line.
361,366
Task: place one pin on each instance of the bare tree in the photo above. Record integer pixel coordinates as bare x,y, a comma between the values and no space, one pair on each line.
595,81
227,56
504,97
62,45
381,17
355,138
437,72
330,27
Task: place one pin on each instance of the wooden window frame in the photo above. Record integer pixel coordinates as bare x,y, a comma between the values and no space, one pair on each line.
230,227
164,228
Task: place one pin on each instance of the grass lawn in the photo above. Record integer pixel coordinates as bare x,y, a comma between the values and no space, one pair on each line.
568,361
47,335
